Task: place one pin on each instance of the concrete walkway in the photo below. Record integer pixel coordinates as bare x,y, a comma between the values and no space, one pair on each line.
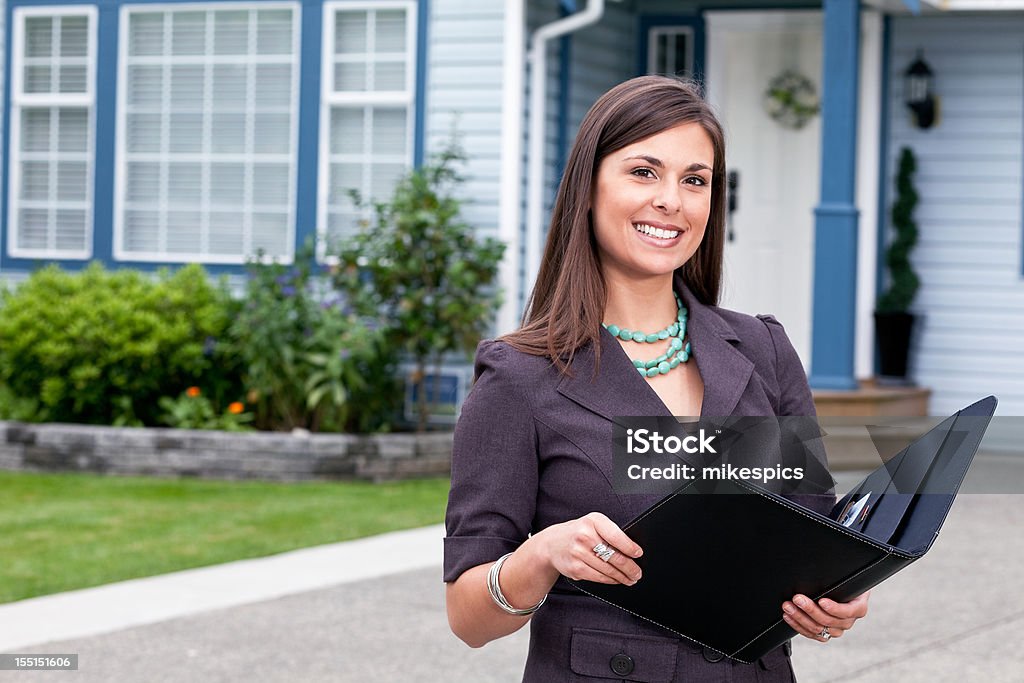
116,606
373,610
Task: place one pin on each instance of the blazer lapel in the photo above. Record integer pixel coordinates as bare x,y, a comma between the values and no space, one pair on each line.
619,391
724,370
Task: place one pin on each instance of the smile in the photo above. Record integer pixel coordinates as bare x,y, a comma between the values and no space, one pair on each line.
655,232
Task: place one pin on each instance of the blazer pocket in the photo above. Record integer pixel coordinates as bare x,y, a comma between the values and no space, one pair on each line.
776,666
606,655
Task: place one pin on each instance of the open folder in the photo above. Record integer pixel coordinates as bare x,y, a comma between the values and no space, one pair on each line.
717,567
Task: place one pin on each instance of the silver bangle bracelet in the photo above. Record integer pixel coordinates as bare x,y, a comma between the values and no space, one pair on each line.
494,588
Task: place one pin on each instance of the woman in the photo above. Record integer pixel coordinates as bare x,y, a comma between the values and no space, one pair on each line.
635,242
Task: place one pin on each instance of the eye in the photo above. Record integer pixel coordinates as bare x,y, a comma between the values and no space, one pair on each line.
695,180
643,172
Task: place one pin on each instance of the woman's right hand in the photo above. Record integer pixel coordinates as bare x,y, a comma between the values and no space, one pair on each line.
569,548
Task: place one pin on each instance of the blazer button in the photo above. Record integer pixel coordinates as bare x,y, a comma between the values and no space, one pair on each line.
622,664
713,655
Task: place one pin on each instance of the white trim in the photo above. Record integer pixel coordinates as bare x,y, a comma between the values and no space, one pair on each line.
756,21
55,102
869,103
331,98
371,4
200,60
514,69
207,202
386,97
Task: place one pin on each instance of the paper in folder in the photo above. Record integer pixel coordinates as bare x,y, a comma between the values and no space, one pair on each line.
717,568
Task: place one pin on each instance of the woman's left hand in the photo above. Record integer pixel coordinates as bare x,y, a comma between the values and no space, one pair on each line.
825,620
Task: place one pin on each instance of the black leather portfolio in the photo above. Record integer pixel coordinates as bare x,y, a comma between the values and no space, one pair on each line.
717,567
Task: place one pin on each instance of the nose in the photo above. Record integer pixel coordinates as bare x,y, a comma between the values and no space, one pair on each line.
666,200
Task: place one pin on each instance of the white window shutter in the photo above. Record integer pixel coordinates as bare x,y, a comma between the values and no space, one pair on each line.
369,106
52,108
210,121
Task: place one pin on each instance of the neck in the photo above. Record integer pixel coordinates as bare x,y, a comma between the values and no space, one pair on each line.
646,305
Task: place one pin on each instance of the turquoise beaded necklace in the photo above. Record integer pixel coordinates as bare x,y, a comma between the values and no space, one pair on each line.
678,351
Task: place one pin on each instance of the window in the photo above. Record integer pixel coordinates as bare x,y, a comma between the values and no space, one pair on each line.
670,50
52,109
366,129
207,128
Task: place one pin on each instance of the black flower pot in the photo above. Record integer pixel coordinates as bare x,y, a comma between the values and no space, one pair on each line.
892,332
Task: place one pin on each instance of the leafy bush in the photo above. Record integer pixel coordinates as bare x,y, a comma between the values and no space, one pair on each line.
16,407
308,360
420,267
103,347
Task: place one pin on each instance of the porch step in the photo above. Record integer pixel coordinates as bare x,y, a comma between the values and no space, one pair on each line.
873,399
848,446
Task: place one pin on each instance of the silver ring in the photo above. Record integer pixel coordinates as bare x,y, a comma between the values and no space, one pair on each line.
603,551
825,634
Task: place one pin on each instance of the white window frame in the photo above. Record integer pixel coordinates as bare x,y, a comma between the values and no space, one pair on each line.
20,100
329,98
121,160
652,45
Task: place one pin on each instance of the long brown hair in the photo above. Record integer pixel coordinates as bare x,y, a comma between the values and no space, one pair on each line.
565,310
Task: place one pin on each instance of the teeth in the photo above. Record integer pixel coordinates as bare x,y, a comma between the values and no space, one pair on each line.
656,232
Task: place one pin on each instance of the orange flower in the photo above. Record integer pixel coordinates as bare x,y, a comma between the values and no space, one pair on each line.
192,392
236,408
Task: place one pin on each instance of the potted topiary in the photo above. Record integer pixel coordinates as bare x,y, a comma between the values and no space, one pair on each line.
893,320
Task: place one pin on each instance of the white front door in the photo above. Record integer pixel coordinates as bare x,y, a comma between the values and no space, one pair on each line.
769,254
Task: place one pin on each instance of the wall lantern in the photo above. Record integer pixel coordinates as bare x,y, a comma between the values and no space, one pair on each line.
917,90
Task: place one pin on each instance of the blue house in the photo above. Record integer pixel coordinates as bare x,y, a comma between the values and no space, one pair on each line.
157,133
145,134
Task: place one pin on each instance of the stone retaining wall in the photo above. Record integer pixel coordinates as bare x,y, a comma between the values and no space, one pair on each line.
222,455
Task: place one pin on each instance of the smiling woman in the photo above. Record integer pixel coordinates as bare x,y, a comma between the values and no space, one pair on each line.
650,208
631,269
649,214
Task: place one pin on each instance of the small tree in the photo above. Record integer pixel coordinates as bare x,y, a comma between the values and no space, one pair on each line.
419,266
903,281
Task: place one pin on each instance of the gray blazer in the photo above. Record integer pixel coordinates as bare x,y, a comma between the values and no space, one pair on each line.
533,448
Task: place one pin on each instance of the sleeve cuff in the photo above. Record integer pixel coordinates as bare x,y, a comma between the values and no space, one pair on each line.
464,552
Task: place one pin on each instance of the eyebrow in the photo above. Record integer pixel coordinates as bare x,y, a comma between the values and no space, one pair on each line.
654,161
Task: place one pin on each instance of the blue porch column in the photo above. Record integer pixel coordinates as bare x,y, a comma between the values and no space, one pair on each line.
835,217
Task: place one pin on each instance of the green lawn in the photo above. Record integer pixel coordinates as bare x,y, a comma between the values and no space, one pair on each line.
59,532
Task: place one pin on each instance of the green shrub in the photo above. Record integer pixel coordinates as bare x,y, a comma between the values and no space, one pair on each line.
15,407
103,347
308,360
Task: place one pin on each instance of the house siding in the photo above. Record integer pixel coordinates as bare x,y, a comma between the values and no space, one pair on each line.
969,178
3,89
603,55
3,108
464,94
539,13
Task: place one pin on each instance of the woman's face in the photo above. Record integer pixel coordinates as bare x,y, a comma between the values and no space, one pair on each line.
651,202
